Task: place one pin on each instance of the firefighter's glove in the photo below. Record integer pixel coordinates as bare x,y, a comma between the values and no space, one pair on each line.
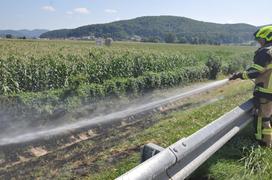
236,76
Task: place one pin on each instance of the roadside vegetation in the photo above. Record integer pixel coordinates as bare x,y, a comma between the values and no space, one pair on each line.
118,150
50,75
240,158
39,79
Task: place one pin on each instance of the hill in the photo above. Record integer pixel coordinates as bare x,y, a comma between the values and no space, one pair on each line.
162,28
23,33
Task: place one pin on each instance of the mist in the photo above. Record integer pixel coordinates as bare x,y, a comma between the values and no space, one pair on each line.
20,128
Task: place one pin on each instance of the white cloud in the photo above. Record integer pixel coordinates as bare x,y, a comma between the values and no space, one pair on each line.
48,8
69,12
230,22
81,10
111,11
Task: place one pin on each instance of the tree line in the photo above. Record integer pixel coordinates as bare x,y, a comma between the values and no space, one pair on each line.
169,29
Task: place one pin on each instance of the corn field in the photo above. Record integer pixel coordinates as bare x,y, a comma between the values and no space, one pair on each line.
39,79
30,72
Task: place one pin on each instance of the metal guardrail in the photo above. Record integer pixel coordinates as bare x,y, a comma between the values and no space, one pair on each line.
180,159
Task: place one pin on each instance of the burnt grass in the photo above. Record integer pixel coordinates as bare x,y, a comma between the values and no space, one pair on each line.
85,155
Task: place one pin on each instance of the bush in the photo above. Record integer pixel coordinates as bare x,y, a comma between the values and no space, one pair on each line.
214,64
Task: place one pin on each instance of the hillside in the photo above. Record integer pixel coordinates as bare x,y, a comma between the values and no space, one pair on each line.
21,33
162,28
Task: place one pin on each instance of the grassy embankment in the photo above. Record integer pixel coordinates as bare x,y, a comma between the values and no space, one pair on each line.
241,158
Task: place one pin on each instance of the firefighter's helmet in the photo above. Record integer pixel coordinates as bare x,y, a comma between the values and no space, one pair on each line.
264,33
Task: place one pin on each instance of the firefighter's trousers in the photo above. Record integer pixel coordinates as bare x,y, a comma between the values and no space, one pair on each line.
264,128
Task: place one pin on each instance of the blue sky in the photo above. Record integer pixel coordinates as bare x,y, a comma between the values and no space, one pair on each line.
55,14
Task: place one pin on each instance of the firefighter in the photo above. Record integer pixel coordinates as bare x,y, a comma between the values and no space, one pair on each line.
261,71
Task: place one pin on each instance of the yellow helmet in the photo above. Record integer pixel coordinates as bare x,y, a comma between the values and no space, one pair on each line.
264,33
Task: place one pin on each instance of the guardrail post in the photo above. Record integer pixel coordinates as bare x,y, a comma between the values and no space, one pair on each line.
149,150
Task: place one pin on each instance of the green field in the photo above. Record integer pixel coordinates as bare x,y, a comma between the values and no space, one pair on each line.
40,78
35,66
43,47
59,68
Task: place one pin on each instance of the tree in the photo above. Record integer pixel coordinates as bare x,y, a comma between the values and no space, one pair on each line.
170,38
154,39
169,29
8,36
182,40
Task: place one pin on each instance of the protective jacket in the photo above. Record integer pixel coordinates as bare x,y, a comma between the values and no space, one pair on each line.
261,71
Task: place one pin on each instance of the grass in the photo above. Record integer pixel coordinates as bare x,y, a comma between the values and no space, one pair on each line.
240,158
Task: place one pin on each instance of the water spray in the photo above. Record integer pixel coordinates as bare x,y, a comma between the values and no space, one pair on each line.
108,118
